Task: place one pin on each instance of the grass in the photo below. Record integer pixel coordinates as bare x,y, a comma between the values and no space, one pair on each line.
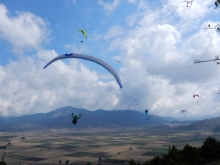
79,154
15,156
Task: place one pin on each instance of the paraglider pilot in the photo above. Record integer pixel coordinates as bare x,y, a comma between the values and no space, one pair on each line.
75,118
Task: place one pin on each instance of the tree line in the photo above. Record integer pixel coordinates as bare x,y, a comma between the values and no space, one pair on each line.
188,155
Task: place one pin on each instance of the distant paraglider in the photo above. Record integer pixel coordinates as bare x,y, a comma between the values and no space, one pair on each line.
216,4
84,33
146,111
75,118
183,111
89,58
188,3
195,96
136,101
117,62
216,27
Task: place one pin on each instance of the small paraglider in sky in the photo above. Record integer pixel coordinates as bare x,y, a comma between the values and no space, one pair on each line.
183,111
136,101
195,96
146,111
216,4
117,62
188,3
84,33
75,118
216,27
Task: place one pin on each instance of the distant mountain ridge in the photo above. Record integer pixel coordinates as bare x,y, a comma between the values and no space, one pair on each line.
212,124
61,118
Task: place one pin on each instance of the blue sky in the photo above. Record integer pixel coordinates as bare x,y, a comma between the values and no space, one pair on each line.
156,43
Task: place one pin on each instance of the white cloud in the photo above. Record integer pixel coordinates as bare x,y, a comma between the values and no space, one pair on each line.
82,49
158,64
156,68
109,7
114,31
24,32
198,9
28,88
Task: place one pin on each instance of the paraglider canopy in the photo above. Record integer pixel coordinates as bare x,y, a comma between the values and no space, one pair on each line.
75,118
89,58
195,95
83,32
183,111
146,111
189,3
216,4
136,101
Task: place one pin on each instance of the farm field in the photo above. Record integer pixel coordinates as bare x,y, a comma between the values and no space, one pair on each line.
94,145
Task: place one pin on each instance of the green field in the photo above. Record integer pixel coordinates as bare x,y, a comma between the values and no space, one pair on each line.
112,146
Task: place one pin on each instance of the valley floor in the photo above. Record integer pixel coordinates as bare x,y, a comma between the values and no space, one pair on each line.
81,146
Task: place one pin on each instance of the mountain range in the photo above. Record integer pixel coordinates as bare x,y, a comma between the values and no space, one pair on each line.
62,118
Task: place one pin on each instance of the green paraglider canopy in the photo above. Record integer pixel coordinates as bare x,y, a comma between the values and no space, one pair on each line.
83,32
74,116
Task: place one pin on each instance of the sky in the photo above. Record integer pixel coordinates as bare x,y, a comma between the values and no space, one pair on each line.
151,44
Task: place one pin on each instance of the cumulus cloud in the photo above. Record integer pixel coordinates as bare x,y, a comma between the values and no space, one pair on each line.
158,64
109,7
28,88
156,68
24,31
114,31
197,10
171,12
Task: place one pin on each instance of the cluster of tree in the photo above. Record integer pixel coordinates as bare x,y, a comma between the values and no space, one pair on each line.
208,152
67,161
